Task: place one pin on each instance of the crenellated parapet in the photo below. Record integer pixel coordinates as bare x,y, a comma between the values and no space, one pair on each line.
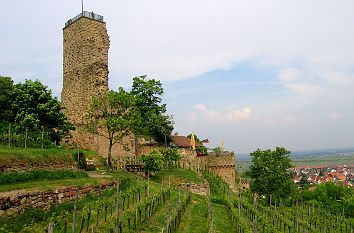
223,164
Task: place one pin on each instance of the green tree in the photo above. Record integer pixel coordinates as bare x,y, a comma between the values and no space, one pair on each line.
6,89
110,115
333,197
269,173
303,179
152,120
170,155
153,162
34,108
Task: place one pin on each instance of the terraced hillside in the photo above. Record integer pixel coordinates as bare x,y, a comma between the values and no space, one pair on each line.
167,202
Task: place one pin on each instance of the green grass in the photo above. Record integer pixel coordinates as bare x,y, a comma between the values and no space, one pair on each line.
222,222
38,175
35,220
159,219
324,160
18,156
196,218
49,184
53,184
177,176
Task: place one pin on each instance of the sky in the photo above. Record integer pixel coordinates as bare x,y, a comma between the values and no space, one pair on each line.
253,74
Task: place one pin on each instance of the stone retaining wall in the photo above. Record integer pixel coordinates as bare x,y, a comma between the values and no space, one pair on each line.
201,189
12,203
28,167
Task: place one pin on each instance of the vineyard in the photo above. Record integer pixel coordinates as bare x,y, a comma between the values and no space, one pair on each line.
139,204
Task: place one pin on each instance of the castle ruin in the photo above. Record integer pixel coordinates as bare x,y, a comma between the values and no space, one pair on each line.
85,75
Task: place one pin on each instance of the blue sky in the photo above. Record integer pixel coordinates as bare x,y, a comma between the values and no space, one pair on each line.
256,74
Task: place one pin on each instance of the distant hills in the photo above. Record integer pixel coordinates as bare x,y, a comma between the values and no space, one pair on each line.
308,153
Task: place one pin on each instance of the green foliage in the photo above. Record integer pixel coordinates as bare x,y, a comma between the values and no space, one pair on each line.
36,175
151,118
333,197
111,116
217,186
170,156
269,173
177,176
80,159
17,156
6,88
153,162
31,216
202,150
34,108
217,150
218,200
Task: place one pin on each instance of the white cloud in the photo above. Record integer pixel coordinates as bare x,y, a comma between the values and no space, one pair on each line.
222,117
304,89
335,116
310,44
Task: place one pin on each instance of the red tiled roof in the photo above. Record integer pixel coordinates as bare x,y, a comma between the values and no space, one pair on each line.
182,141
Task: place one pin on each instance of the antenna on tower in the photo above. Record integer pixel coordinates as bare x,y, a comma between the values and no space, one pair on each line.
82,7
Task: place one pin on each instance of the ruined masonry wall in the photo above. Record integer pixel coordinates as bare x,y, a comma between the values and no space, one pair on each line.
28,167
224,166
13,203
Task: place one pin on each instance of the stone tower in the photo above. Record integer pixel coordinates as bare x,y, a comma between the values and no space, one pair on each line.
85,69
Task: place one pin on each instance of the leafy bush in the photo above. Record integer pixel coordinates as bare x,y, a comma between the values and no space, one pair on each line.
218,200
170,155
37,175
152,162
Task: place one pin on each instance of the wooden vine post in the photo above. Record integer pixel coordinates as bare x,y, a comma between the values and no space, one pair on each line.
117,207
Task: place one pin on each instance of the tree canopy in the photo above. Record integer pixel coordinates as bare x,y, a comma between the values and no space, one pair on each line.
6,88
30,105
110,115
152,120
153,162
269,173
334,197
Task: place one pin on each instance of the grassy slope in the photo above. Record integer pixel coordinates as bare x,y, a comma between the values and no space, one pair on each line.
17,156
177,176
196,219
37,220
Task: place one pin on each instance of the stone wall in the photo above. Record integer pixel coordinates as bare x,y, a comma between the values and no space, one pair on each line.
15,202
48,166
224,166
201,189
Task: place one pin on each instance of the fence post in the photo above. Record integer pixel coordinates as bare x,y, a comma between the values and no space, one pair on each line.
50,227
148,186
78,154
117,208
168,216
74,211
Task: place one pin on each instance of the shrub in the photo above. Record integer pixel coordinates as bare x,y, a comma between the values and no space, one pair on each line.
170,155
152,162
